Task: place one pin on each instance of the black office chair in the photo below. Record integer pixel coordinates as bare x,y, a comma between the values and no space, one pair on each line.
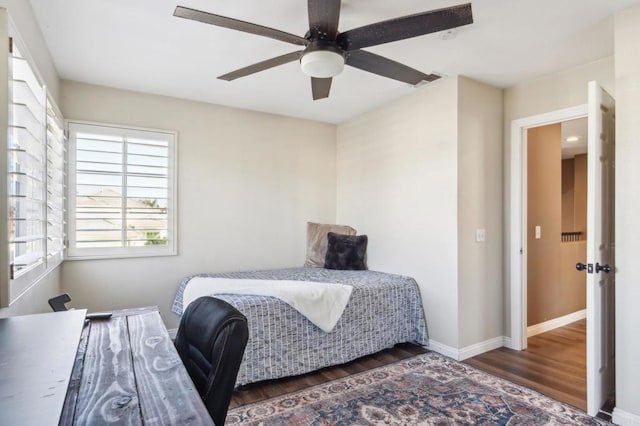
211,340
58,303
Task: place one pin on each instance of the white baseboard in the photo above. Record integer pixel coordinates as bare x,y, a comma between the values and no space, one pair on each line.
172,333
624,418
468,351
556,323
480,348
507,342
443,349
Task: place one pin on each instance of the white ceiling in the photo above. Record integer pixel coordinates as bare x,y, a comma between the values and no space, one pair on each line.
139,45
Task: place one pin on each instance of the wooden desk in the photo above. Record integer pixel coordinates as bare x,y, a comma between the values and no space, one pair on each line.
127,371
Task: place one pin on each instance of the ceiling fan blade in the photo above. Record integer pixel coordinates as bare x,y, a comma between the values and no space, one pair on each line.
406,27
261,66
320,87
235,24
380,65
323,18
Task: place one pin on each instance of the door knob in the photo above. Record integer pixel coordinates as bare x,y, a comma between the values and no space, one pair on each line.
604,268
581,266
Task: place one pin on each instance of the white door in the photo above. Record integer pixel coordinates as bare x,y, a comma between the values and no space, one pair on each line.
600,248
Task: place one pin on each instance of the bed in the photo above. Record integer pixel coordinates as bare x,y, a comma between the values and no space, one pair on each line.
384,310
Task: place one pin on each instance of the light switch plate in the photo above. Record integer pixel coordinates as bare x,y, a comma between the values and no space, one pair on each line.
538,232
480,235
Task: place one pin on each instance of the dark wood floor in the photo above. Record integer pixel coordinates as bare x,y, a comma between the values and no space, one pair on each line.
258,391
553,364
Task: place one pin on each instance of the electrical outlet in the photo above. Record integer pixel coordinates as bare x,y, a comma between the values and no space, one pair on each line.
480,235
538,232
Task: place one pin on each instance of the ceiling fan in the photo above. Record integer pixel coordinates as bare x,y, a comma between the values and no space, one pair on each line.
327,50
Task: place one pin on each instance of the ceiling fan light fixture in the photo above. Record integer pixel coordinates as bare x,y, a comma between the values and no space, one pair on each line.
322,63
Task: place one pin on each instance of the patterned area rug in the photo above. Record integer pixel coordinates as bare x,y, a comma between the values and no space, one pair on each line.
424,390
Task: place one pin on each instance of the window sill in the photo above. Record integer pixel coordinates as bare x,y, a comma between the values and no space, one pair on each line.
107,256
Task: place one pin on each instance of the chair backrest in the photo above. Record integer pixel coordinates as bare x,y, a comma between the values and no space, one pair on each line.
211,340
57,303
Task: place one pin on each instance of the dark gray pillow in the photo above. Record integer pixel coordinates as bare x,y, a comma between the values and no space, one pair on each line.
347,252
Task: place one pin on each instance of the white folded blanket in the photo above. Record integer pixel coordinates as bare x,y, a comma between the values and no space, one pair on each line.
321,303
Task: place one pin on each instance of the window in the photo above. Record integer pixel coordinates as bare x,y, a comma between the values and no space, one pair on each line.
121,192
34,179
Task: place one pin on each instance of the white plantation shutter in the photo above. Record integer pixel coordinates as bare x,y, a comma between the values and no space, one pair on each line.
32,180
27,162
121,191
56,154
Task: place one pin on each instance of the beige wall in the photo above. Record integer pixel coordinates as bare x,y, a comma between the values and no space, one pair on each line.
568,184
580,195
20,13
397,182
543,210
35,300
572,293
556,91
247,184
550,93
627,74
574,195
419,176
480,283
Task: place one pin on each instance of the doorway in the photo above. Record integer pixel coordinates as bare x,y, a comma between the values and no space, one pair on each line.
518,215
600,261
556,195
556,231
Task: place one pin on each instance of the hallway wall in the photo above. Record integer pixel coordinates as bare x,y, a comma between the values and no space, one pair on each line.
574,195
544,206
554,287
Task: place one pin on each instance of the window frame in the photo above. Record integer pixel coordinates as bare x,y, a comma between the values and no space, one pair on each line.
171,249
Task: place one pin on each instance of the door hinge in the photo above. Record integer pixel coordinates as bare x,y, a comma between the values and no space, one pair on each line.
11,45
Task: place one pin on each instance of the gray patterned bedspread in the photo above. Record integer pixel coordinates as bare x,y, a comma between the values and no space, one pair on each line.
384,310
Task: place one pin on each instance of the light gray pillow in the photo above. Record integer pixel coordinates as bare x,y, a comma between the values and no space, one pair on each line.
317,241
